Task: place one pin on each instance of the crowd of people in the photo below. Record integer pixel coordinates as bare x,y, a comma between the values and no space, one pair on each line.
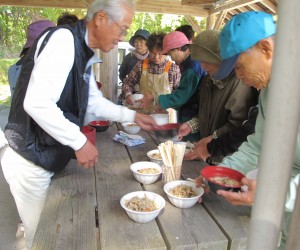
210,79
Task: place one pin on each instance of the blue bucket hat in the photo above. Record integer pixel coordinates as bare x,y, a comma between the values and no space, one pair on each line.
139,33
242,32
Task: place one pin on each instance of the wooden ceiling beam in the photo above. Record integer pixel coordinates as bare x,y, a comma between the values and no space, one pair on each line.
193,23
220,20
255,7
232,5
199,8
269,5
242,9
197,2
169,7
228,16
154,6
233,12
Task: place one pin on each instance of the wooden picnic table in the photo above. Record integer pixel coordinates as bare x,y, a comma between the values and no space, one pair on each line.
82,209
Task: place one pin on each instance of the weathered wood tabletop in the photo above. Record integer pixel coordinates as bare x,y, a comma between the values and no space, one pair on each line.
82,209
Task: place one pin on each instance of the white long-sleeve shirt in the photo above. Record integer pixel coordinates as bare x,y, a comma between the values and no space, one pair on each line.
46,84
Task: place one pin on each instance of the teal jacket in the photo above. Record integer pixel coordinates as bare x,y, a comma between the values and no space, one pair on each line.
185,97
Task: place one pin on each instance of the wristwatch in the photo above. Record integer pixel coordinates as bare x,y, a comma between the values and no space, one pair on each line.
215,135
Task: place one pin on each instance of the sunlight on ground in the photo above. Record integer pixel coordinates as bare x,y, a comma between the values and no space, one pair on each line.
4,92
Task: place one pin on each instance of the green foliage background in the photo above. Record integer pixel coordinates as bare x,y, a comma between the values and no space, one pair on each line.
14,22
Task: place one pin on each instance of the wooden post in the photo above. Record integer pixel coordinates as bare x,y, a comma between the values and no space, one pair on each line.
294,230
210,22
280,133
107,73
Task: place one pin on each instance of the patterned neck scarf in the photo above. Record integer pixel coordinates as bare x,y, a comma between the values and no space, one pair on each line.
140,56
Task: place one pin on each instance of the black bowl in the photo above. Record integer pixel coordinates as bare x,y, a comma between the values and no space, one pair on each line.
100,126
167,131
211,172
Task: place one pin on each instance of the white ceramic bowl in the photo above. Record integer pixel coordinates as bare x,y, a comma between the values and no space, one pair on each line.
135,98
143,217
161,119
183,202
145,178
151,157
131,127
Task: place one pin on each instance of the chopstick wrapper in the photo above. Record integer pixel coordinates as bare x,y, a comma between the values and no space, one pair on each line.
128,140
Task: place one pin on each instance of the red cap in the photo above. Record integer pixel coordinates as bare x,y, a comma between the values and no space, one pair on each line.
173,40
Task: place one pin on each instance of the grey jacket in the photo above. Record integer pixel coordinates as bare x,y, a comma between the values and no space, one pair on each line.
223,105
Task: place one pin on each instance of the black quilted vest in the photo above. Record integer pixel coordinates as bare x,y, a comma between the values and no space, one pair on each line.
24,135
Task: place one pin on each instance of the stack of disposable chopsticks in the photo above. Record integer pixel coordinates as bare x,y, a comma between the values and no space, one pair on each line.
172,156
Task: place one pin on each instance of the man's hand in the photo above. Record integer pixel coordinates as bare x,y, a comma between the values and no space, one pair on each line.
199,183
192,155
201,148
87,156
146,122
147,100
184,130
243,198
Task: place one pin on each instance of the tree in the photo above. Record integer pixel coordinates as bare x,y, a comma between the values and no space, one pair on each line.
14,22
157,23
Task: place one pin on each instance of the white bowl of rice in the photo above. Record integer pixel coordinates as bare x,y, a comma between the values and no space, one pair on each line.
142,206
146,172
183,194
131,128
155,156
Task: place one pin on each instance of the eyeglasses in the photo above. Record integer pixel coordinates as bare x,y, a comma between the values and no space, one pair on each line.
123,30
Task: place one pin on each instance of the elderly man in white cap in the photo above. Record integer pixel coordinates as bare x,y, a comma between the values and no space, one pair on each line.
247,46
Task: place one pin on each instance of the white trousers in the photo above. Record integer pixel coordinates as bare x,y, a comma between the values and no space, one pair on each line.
29,185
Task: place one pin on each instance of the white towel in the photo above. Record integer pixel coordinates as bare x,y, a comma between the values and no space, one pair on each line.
129,140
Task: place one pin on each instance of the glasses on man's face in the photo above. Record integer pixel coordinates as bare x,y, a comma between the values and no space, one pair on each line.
123,30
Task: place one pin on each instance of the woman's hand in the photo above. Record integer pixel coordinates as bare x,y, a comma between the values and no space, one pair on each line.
146,101
199,183
184,130
242,198
191,155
